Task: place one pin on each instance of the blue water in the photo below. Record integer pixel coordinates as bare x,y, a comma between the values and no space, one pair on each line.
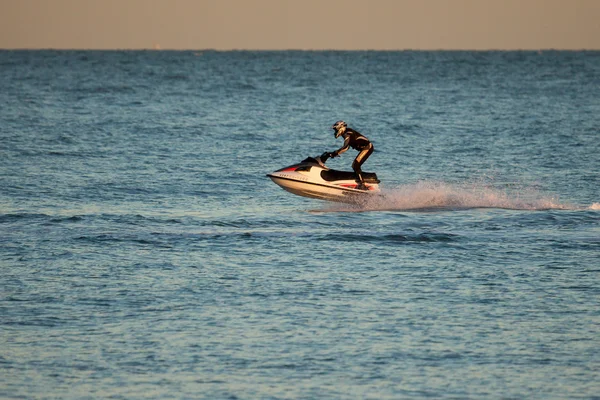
145,254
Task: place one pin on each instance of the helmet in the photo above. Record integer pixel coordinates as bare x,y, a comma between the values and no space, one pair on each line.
339,128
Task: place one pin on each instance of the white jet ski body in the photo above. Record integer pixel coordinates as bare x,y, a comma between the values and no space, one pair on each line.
311,178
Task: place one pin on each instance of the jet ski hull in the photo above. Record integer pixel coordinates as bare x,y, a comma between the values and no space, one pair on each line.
317,191
311,178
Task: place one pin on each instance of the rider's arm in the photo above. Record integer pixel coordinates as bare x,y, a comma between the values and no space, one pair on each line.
344,147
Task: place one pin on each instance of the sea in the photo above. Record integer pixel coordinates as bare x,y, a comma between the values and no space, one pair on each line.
145,254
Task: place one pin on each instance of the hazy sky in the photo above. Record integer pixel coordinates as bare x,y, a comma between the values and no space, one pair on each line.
300,24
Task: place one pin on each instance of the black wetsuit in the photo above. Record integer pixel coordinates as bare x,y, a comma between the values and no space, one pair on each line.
358,142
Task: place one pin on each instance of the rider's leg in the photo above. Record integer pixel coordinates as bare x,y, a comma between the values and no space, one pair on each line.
359,161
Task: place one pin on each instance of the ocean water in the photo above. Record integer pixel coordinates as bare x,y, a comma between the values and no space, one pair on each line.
144,254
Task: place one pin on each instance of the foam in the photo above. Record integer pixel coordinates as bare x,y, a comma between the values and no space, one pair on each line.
427,195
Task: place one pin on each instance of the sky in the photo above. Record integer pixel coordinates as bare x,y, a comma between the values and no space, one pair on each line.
301,24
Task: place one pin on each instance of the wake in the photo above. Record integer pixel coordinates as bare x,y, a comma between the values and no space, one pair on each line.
431,196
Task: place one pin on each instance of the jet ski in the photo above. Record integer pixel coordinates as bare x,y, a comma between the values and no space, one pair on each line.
311,178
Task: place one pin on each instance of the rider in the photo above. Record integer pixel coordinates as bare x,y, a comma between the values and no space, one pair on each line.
358,142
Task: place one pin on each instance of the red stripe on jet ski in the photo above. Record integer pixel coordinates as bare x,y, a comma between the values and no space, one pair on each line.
353,186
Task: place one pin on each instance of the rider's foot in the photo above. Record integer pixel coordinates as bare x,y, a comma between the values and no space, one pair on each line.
362,186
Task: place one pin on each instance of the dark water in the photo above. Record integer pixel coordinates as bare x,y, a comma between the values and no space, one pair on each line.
144,254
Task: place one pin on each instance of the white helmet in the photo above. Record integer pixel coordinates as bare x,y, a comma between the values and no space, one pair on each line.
339,128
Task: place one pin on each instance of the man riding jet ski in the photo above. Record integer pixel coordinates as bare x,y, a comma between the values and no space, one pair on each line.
358,142
312,178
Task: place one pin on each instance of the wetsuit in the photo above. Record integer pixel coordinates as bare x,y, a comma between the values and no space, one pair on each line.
358,142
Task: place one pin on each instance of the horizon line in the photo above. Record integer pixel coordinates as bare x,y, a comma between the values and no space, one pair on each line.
541,49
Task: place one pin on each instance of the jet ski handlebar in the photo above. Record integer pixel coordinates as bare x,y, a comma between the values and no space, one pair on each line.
325,156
